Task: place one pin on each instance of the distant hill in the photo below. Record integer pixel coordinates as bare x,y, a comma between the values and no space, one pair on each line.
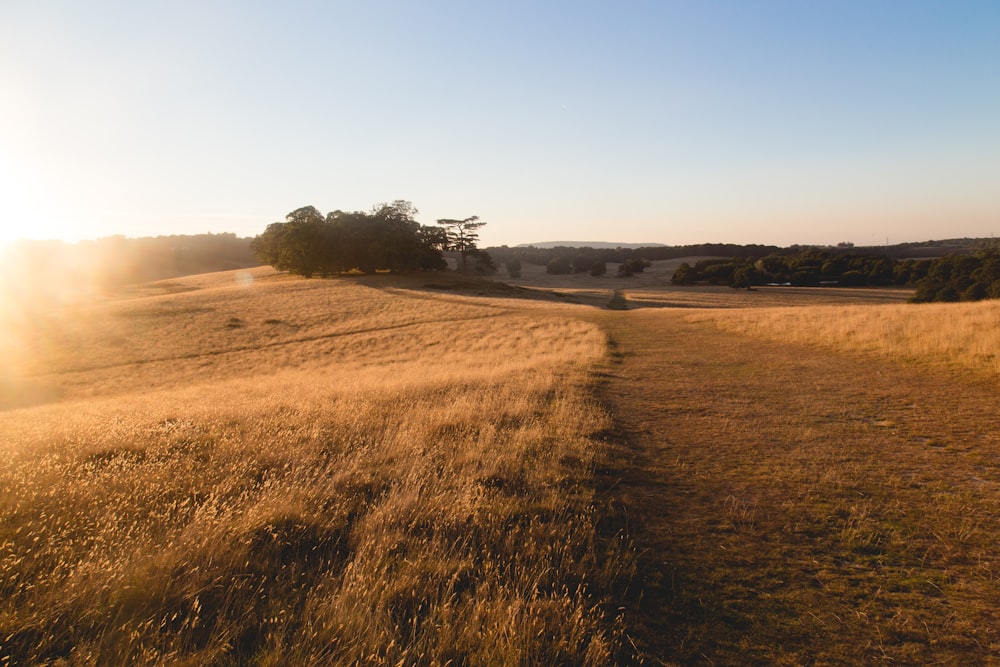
588,244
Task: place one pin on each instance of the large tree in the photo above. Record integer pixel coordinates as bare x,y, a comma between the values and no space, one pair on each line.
294,245
462,236
387,238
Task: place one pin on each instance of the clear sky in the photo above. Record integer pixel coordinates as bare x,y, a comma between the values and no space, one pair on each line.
670,121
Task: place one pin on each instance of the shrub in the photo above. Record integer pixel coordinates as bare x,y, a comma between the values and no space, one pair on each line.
684,275
558,266
632,266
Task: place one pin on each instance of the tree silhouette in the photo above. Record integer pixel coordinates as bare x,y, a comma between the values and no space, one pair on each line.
462,235
387,238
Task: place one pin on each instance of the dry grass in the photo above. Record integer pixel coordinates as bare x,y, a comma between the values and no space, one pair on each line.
797,503
962,336
249,468
701,297
219,471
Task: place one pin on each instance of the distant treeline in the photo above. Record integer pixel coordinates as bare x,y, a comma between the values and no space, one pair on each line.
581,259
118,260
947,270
932,249
949,278
807,268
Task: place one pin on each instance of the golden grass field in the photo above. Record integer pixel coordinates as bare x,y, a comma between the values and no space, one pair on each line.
252,468
281,471
961,336
795,504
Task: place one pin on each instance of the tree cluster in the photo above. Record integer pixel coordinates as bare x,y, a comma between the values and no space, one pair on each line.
385,239
591,263
960,278
806,268
632,266
949,278
566,259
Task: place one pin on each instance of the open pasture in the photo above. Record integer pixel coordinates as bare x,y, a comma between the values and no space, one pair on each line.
958,336
810,485
652,289
250,468
246,466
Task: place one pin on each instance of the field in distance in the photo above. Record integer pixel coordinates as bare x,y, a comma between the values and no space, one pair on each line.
652,289
248,466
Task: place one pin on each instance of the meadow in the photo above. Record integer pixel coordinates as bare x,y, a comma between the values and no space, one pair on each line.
959,336
814,479
247,467
244,467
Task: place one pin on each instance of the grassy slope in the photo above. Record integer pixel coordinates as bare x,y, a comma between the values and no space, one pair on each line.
793,504
298,472
346,471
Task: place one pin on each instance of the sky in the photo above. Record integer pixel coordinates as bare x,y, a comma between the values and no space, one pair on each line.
660,121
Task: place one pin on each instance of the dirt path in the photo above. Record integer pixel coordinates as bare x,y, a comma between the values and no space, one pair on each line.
791,506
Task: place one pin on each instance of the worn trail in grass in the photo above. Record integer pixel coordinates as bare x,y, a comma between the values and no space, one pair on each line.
794,506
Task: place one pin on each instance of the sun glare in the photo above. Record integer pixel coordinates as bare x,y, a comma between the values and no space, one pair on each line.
23,217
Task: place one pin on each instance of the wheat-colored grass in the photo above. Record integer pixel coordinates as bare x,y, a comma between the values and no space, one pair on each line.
800,505
220,470
963,336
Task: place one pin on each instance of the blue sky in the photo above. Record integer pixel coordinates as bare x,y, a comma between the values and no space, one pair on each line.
673,122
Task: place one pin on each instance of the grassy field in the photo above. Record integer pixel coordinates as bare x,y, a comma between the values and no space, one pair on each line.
252,468
814,484
963,336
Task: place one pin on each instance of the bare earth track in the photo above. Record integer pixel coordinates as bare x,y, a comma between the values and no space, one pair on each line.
795,506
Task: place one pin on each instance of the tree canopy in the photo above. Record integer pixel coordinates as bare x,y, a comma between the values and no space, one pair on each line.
385,239
961,278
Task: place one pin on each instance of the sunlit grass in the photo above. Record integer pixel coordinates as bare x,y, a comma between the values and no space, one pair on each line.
303,472
805,503
943,335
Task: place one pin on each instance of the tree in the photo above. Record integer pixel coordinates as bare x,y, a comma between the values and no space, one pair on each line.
482,262
632,266
582,263
387,238
514,268
462,236
684,275
558,266
302,248
742,277
400,211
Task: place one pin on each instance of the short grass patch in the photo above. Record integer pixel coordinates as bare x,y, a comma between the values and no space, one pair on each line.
795,503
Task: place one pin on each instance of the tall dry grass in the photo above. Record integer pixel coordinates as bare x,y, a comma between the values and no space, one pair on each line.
304,472
963,336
